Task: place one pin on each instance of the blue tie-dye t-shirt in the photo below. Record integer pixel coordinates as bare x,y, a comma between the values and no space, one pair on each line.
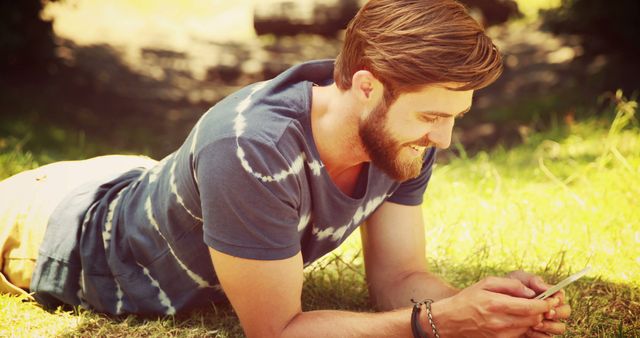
248,181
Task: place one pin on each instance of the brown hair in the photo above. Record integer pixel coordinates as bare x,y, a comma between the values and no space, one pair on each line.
407,44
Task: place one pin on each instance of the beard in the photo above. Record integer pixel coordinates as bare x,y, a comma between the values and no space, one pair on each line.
384,151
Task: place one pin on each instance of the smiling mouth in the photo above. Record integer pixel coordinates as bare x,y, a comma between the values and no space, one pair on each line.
417,148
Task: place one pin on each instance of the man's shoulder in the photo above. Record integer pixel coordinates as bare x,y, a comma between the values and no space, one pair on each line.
269,119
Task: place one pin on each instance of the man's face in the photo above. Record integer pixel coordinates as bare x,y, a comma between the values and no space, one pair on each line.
395,137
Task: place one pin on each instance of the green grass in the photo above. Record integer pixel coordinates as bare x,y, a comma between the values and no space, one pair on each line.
564,199
28,143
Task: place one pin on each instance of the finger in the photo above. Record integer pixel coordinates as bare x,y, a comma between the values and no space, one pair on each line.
520,275
527,279
521,332
501,303
560,295
553,303
538,284
507,286
550,315
522,323
551,327
535,334
562,312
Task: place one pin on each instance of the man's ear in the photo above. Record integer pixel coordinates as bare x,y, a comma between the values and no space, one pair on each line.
366,87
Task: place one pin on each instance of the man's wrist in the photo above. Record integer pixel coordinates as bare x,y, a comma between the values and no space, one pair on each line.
439,319
423,324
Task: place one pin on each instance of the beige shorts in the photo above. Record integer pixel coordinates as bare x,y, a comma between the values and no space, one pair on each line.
28,199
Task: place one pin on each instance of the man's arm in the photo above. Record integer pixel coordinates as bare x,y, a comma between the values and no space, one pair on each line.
393,240
394,249
266,297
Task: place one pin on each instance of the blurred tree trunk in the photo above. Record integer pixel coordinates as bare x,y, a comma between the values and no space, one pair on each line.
26,40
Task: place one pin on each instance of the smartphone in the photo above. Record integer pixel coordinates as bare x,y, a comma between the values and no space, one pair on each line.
563,283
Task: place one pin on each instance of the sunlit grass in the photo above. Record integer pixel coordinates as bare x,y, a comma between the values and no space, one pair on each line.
559,202
564,199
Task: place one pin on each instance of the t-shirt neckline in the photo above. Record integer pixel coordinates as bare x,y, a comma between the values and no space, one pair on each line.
335,191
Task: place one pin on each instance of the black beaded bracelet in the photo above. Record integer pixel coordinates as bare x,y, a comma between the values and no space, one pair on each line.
416,329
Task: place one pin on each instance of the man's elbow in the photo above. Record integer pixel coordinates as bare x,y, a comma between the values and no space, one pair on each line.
270,330
383,293
292,328
380,297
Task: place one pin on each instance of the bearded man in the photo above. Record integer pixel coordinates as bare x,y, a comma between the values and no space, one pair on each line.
272,178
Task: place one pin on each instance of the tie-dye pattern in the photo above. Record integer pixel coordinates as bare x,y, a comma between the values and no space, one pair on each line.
247,181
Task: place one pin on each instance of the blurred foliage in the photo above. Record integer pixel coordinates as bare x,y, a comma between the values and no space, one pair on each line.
531,9
494,12
287,17
605,25
26,40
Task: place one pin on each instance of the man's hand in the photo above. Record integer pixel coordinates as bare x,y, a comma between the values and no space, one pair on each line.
551,325
493,307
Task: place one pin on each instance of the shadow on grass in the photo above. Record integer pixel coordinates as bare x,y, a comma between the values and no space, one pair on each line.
91,96
599,308
143,106
95,95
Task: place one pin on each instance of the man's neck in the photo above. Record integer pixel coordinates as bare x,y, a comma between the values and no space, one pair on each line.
334,122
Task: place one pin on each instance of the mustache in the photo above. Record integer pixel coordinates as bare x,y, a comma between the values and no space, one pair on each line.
421,142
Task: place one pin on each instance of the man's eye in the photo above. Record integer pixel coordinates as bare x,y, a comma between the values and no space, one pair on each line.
430,119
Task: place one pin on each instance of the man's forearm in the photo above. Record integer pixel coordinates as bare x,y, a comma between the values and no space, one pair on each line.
396,322
329,323
416,285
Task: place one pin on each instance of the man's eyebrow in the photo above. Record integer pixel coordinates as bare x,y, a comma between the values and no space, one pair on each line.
440,114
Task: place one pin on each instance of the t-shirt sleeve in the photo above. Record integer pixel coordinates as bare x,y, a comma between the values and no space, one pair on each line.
411,192
250,199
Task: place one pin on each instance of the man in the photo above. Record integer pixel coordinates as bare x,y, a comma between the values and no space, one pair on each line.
272,178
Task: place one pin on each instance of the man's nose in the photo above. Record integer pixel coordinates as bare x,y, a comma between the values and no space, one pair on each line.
441,136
